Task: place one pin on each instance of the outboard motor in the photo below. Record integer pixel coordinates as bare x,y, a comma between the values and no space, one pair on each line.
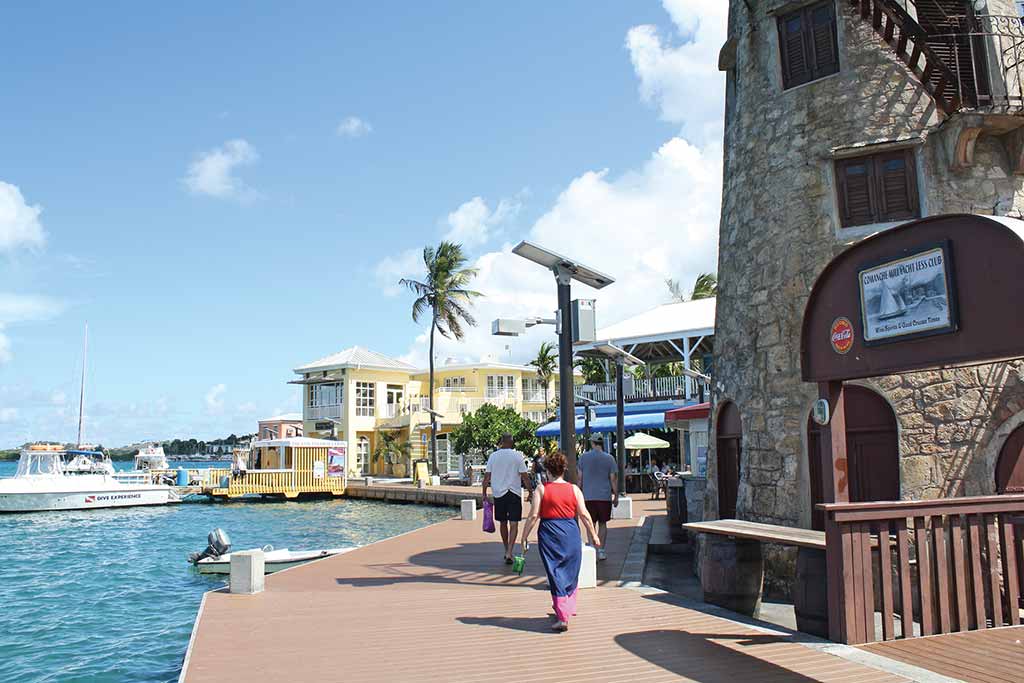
218,543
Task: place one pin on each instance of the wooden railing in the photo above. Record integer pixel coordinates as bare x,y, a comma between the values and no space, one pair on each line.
953,564
290,483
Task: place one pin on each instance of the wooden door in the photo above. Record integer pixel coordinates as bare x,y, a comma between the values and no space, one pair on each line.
1010,466
728,476
729,448
872,451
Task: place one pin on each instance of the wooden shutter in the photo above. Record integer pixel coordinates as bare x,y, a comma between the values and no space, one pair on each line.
796,62
856,191
897,186
825,45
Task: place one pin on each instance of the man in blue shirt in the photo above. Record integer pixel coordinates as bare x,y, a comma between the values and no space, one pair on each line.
600,482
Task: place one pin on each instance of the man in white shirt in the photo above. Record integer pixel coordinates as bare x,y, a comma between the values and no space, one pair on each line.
506,474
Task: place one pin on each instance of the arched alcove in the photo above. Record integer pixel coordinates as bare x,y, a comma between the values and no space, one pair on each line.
729,448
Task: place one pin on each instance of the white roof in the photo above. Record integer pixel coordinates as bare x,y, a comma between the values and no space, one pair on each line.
285,417
355,357
298,442
668,321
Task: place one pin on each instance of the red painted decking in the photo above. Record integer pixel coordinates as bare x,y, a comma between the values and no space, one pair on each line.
989,656
438,604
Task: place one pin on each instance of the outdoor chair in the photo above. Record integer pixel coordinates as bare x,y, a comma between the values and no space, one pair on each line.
660,484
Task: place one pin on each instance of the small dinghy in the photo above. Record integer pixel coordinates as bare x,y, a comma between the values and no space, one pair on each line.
216,559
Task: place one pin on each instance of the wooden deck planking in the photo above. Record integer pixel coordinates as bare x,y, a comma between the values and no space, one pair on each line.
438,604
987,656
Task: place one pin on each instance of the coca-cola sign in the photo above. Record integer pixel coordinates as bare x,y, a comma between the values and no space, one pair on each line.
841,335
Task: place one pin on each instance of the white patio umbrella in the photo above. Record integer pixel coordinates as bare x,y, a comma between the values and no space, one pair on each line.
642,441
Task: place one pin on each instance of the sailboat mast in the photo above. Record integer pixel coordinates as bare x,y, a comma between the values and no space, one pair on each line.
81,394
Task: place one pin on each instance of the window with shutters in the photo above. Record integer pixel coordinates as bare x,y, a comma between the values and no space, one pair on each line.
877,189
808,44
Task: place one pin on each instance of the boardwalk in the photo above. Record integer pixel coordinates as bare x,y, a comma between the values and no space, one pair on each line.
439,605
989,656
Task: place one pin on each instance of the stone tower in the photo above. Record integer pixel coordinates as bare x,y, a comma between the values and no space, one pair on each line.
844,118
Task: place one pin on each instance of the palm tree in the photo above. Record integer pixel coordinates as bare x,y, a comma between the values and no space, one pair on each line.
546,362
389,445
445,295
705,286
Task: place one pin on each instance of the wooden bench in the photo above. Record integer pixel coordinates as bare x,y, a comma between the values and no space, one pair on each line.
732,568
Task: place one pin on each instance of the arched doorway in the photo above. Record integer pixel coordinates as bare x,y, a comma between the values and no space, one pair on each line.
872,451
1010,466
729,448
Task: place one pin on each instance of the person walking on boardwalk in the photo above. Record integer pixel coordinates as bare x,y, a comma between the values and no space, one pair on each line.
599,481
507,475
559,507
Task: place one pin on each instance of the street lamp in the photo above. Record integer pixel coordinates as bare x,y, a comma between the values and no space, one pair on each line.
565,271
622,358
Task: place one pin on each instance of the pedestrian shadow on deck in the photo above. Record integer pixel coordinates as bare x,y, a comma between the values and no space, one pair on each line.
478,563
528,624
698,657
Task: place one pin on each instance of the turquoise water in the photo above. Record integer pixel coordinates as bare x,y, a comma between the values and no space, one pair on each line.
107,595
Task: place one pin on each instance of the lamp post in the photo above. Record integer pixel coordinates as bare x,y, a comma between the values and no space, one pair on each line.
565,271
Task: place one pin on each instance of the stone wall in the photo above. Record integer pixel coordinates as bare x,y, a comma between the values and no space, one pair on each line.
779,227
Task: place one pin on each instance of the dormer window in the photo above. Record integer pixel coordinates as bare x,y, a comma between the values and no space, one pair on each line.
808,44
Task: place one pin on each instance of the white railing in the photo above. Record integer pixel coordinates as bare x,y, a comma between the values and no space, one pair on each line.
534,397
322,412
455,389
643,389
390,410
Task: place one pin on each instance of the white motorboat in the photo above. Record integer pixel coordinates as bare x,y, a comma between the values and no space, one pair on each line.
273,560
42,483
151,458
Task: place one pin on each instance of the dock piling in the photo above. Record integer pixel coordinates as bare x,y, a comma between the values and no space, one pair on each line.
247,568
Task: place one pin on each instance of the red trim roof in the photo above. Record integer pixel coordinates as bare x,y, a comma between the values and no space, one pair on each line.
697,412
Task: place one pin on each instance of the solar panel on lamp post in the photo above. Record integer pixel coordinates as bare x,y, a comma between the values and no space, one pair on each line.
565,271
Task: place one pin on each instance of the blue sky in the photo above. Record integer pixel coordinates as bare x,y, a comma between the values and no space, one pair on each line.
224,193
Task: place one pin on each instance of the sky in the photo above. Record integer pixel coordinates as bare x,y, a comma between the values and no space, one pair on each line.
223,193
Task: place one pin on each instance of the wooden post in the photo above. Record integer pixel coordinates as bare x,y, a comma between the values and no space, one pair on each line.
835,488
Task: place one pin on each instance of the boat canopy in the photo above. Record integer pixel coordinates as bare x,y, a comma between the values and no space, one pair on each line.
40,463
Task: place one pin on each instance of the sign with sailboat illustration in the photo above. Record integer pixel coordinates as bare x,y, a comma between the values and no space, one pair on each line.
908,297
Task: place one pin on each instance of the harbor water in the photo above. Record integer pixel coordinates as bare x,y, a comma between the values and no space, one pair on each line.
107,595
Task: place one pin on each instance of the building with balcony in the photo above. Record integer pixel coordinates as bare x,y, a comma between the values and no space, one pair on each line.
357,394
279,427
844,119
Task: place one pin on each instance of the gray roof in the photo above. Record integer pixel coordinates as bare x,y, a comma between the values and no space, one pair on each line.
355,357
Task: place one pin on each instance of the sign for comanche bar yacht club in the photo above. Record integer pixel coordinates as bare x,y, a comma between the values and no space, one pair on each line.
908,297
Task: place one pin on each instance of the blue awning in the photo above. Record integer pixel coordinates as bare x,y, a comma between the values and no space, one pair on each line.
606,423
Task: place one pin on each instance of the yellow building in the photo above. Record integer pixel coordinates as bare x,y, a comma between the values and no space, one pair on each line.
357,394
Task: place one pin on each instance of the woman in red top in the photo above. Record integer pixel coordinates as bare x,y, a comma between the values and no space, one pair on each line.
558,505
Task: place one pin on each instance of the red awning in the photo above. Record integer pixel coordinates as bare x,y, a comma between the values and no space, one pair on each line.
697,412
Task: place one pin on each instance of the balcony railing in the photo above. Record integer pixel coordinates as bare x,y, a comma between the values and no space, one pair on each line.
322,412
535,397
657,388
985,56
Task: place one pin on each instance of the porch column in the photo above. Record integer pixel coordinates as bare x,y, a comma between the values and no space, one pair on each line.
835,488
686,364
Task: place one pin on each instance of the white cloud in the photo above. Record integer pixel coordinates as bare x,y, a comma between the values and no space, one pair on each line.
18,308
19,222
353,127
8,415
683,80
215,399
473,223
213,172
391,269
58,398
641,226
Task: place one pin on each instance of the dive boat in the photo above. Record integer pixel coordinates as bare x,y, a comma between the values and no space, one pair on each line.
151,458
42,483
